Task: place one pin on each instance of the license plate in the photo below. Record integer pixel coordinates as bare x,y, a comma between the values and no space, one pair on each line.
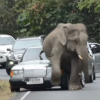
35,81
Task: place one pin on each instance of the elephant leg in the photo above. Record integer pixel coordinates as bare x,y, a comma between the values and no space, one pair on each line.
56,72
74,83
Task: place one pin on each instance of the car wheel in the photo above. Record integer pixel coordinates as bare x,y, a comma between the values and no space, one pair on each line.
91,78
64,82
94,75
82,80
15,89
8,70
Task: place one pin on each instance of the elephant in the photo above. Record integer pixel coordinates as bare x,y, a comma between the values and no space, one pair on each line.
67,42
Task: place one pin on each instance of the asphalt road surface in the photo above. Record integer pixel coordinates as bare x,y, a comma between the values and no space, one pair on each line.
91,91
3,75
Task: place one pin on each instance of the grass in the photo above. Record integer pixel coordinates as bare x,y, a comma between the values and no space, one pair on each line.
5,92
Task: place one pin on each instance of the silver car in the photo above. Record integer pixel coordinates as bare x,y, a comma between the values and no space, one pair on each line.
32,72
91,67
95,48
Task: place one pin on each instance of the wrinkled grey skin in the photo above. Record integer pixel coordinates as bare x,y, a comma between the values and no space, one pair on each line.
67,41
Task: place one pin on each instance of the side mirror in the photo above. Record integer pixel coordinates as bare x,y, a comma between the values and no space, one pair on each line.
8,49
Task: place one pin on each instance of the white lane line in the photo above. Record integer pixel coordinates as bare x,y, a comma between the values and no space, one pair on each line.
26,94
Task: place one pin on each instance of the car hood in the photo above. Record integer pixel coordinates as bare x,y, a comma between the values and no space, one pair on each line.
4,47
36,64
18,51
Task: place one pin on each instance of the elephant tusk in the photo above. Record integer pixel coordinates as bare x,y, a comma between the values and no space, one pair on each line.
90,56
80,56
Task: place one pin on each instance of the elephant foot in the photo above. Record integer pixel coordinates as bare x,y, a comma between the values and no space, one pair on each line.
55,83
55,80
75,87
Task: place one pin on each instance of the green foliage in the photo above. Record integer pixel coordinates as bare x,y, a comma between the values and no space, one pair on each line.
42,16
36,17
91,13
7,17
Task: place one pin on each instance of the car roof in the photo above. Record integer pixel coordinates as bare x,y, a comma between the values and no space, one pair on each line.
31,37
5,35
28,38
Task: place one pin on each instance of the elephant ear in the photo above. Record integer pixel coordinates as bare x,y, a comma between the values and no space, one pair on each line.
62,36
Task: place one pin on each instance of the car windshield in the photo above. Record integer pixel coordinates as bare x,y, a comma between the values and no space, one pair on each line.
7,41
33,54
23,44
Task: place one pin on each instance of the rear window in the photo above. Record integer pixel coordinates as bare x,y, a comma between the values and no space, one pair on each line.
23,44
7,40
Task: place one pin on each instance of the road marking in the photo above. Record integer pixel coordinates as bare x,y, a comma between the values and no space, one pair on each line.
26,94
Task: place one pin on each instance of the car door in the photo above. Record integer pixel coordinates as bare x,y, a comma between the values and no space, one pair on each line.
90,60
96,53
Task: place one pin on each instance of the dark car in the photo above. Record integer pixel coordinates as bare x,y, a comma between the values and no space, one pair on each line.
19,48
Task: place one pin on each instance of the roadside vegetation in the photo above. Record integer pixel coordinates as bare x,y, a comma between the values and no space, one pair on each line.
5,93
35,17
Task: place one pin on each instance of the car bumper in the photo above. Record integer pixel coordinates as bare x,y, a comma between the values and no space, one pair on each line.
3,59
20,83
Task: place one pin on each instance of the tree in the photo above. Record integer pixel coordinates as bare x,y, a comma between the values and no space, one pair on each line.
91,14
7,17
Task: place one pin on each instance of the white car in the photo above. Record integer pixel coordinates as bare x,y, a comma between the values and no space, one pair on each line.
6,41
32,72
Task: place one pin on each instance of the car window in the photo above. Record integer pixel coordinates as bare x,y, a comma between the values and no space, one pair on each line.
7,40
23,44
95,48
33,54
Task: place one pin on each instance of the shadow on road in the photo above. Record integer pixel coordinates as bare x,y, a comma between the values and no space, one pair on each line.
52,89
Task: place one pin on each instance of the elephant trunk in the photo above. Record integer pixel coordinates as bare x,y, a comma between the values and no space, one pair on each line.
83,55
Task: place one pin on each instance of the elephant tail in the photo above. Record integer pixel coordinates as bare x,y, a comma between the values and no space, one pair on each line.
40,55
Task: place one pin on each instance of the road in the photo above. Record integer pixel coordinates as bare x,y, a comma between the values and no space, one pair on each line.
90,92
3,74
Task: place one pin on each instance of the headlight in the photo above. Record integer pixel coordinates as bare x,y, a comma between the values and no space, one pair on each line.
49,71
11,63
15,73
17,56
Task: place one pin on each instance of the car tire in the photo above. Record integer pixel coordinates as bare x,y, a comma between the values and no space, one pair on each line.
91,78
82,80
8,70
64,82
94,76
15,89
